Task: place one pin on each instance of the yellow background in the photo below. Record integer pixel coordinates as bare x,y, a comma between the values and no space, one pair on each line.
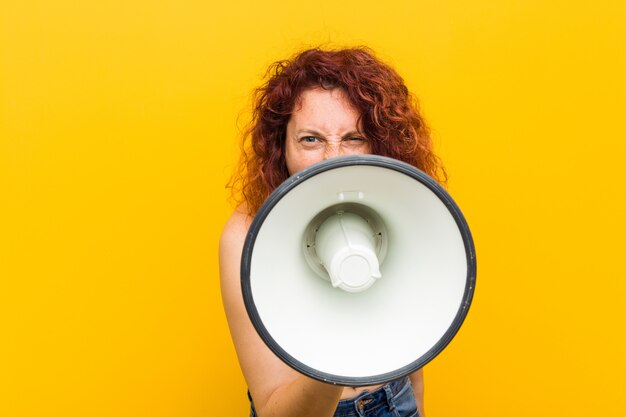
118,129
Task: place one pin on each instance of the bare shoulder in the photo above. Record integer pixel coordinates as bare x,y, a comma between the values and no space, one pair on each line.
231,246
235,229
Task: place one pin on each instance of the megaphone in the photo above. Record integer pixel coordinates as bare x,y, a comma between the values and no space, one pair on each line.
358,270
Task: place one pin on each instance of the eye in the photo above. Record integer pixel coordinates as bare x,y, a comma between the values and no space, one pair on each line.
356,140
309,139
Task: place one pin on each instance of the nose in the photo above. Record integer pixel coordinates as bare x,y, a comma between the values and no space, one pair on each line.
333,150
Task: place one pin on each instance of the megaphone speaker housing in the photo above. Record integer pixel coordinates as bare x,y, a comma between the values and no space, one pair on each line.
358,270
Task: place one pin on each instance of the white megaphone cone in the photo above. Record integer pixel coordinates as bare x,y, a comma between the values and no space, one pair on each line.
358,270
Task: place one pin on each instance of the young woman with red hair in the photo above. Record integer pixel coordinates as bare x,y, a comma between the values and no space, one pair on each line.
318,105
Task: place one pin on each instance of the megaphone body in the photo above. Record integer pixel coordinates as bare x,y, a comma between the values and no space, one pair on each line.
358,270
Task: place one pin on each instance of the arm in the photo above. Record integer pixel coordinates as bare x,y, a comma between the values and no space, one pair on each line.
277,390
417,380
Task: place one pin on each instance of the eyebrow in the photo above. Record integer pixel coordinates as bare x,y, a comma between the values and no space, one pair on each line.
317,133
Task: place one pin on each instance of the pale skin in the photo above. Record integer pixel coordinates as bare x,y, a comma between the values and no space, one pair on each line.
323,125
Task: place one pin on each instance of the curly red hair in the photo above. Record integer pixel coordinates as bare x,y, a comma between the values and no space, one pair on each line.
389,117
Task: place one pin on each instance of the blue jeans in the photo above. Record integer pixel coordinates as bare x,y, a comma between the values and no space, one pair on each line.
395,399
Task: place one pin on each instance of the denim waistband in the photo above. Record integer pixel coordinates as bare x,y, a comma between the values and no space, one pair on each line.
364,402
369,400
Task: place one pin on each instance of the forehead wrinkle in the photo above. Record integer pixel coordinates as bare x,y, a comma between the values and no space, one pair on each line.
307,116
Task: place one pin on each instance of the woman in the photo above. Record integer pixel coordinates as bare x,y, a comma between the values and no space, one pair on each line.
318,105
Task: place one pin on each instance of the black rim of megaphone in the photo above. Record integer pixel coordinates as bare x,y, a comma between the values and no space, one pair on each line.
307,173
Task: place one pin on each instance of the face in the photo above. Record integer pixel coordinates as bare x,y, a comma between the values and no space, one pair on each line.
323,125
